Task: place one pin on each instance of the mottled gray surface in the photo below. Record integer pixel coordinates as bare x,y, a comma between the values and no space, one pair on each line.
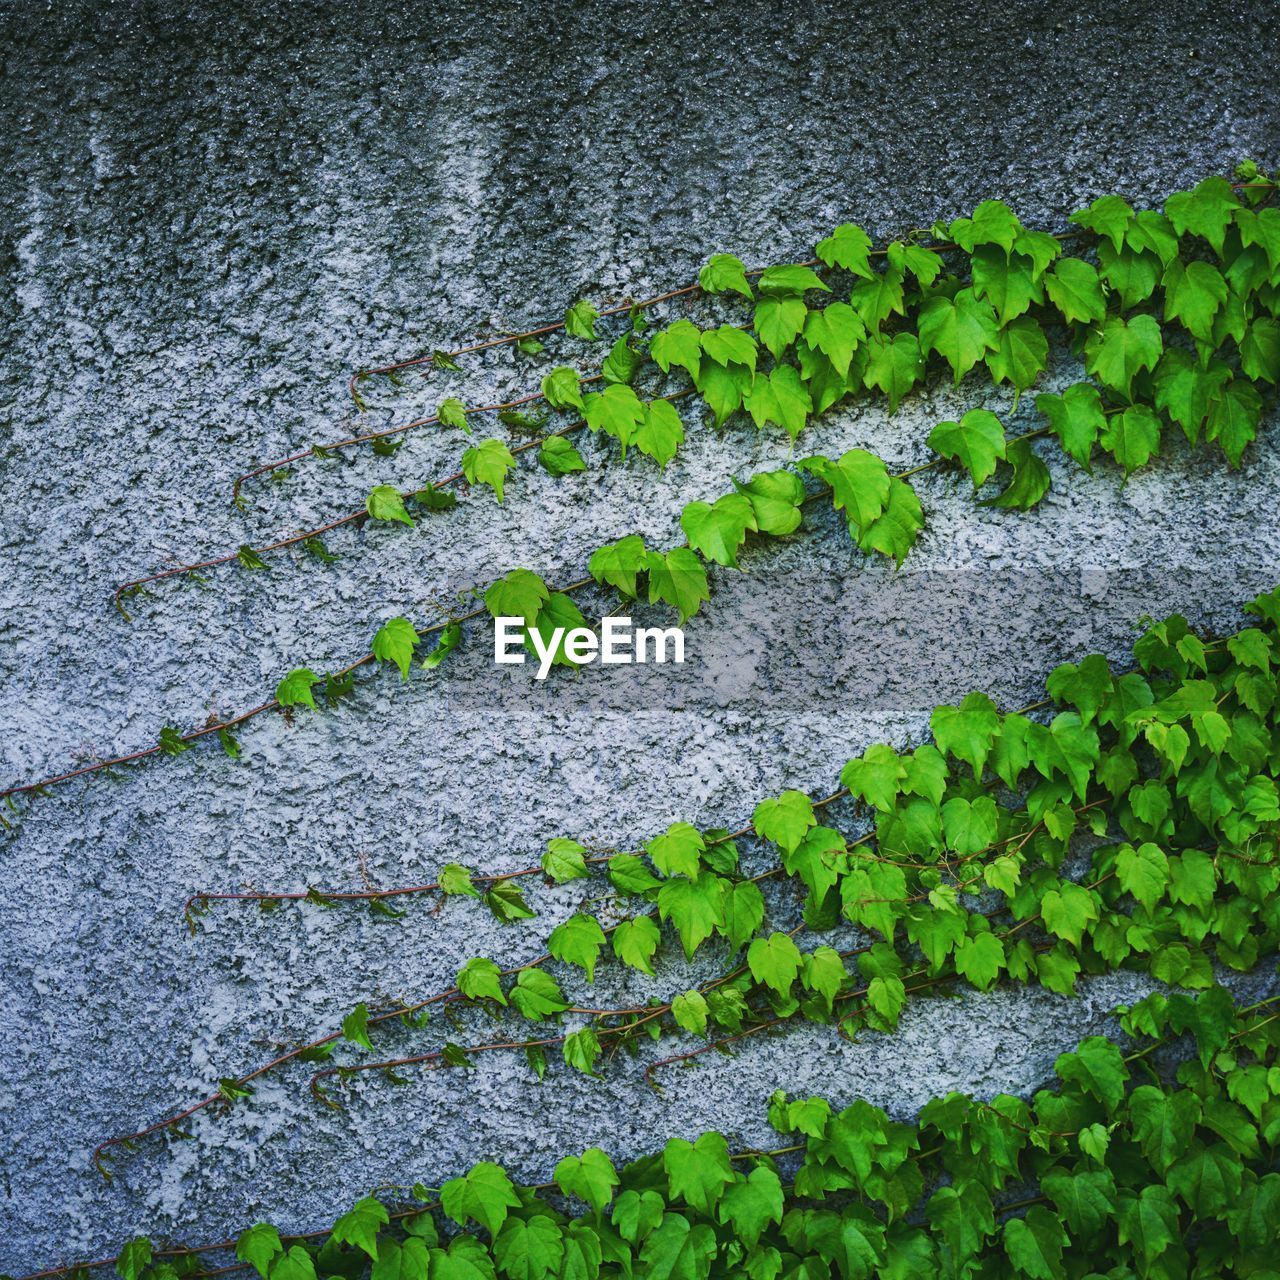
208,219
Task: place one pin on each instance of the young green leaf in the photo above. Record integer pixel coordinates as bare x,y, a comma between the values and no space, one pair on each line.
724,273
488,463
386,503
976,442
562,388
453,413
394,642
558,457
564,860
717,531
580,321
578,941
481,979
295,689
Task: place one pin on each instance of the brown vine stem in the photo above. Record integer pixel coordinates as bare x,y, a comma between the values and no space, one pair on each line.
439,997
274,705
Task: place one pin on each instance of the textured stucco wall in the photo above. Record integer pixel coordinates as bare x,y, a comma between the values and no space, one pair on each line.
208,217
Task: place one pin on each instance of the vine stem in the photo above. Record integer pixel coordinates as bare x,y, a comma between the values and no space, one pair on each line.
365,660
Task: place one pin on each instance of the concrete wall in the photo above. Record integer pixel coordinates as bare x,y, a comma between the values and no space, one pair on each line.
210,215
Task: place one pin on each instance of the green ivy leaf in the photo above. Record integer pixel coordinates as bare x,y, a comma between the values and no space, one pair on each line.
635,942
455,879
578,941
660,433
1074,288
1034,1244
590,1177
537,995
1206,211
960,329
718,530
679,851
993,222
1132,437
779,397
1030,481
1021,353
1076,418
484,1195
784,820
619,562
355,1027
690,1012
695,907
386,503
481,979
295,689
976,441
775,498
679,578
359,1226
724,273
394,642
774,961
521,594
849,247
488,463
730,345
894,365
134,1258
698,1172
1108,217
564,860
449,640
562,388
580,321
1119,350
623,362
581,1049
679,344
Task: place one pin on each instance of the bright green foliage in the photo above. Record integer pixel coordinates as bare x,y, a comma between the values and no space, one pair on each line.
562,388
678,852
558,457
394,642
580,321
679,578
779,397
521,594
619,562
1119,350
895,365
578,941
718,530
488,463
480,979
976,441
564,860
678,345
775,498
961,329
1131,437
848,246
360,1224
1076,418
724,273
453,413
623,361
386,503
1029,482
1074,288
295,689
784,820
484,1196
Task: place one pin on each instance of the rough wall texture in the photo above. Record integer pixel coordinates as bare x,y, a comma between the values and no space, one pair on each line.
210,215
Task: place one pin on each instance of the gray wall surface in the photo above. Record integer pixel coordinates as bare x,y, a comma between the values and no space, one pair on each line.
209,216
